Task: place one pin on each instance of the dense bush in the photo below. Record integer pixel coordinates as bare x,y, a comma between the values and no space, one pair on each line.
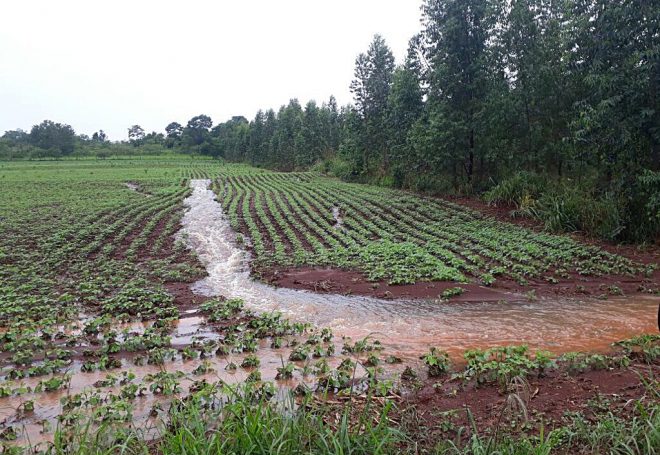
518,191
627,212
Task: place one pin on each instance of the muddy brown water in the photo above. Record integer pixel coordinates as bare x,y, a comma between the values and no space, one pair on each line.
48,405
408,327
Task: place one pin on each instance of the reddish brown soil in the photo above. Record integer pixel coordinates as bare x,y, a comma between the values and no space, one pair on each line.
184,298
587,286
346,282
350,282
437,403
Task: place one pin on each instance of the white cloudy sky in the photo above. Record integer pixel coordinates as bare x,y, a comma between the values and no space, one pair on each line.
109,64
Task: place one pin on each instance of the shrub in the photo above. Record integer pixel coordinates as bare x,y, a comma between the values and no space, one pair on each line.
519,191
568,209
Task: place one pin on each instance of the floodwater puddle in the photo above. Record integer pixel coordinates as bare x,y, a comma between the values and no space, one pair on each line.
408,327
336,214
38,426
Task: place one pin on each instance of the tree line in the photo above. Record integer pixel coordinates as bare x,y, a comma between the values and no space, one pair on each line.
549,107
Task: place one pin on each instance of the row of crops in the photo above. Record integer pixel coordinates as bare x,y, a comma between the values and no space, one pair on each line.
75,237
297,219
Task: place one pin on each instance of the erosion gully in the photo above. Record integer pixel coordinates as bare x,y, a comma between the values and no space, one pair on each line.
406,328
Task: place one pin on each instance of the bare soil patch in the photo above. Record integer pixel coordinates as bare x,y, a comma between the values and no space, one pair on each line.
439,408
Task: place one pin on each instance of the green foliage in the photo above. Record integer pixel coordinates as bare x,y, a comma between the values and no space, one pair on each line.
437,361
623,213
646,346
451,292
518,191
56,137
502,364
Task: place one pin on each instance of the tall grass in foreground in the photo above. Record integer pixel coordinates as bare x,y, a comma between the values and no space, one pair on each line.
609,434
245,426
253,424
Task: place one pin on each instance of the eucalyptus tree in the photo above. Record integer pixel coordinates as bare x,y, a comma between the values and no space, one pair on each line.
455,36
374,71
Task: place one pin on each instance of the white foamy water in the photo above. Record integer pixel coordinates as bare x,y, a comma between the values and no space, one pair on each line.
409,327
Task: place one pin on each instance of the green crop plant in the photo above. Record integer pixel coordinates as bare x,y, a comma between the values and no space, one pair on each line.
437,362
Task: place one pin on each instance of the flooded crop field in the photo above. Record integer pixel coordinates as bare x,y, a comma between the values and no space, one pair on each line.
134,289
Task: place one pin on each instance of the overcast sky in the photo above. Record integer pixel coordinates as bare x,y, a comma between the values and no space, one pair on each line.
110,64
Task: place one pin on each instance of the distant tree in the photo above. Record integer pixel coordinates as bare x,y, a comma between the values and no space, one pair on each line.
99,136
197,129
154,138
174,130
136,135
270,129
229,140
288,139
258,147
332,125
49,135
173,133
17,136
312,140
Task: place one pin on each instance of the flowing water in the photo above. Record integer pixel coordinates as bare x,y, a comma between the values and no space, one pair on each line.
409,327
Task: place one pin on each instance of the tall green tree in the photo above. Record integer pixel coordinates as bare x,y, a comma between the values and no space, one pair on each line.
532,51
197,130
456,36
288,139
48,135
615,62
404,107
314,140
371,88
136,135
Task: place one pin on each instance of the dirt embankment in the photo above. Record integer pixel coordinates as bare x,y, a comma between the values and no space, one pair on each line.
349,282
